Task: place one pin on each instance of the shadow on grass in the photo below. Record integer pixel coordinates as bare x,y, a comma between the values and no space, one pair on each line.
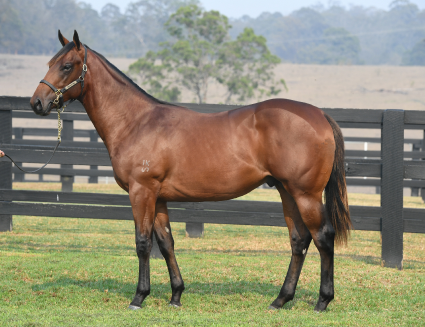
163,291
376,261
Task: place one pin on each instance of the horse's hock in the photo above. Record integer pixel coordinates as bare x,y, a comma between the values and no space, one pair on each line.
390,171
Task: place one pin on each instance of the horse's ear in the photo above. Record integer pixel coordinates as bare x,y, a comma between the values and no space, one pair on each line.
77,40
62,39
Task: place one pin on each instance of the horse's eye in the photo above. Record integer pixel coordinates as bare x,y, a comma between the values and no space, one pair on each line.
67,67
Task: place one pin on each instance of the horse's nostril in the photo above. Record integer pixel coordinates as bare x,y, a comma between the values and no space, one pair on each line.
37,105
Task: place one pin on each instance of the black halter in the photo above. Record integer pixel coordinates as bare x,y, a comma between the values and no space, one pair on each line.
59,93
59,104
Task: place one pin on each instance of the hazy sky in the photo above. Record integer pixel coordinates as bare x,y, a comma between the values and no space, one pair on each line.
253,8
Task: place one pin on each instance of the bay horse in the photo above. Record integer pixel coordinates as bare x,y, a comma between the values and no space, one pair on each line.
161,152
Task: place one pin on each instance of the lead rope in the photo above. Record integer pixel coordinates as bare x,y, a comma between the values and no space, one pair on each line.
2,154
60,127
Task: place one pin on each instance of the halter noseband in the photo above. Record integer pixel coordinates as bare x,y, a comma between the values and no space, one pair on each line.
59,93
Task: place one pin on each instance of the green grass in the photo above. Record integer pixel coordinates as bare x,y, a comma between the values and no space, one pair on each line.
81,272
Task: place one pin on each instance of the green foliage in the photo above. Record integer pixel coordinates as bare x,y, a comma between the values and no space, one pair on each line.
337,46
144,22
111,32
154,76
10,26
416,56
202,51
248,67
383,35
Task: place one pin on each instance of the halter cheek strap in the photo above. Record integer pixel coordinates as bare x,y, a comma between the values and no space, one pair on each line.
59,93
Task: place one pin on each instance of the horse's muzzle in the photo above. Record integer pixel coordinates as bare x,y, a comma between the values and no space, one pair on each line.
37,107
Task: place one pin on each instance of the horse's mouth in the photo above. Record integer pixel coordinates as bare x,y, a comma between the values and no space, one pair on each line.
45,111
48,109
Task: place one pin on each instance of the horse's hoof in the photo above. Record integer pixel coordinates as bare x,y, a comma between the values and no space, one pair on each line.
175,305
316,310
133,307
272,308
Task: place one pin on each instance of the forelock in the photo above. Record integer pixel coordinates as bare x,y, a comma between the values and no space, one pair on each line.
61,53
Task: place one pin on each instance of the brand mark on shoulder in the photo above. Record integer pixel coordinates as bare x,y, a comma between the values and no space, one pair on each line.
145,167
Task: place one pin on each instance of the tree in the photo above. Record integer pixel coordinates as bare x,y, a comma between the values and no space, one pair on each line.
145,19
416,56
248,67
11,27
201,51
337,46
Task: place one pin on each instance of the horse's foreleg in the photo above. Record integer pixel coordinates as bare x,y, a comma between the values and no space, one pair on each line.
323,233
300,239
165,240
143,204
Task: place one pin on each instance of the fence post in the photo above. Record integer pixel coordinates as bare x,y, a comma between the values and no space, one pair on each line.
392,143
155,252
67,135
93,138
194,230
423,149
5,166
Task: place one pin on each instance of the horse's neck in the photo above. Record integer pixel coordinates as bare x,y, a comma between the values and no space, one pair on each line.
112,103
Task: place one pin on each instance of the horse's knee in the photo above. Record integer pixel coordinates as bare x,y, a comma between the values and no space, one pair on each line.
143,245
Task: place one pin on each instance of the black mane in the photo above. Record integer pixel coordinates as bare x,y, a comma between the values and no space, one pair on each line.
129,79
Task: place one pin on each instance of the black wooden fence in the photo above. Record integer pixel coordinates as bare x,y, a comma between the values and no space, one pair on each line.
391,218
70,132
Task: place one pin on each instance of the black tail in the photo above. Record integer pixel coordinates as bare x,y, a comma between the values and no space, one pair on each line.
336,189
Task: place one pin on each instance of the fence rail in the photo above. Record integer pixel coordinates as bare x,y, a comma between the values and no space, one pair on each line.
388,166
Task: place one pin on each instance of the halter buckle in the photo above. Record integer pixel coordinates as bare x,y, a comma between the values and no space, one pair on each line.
84,68
58,95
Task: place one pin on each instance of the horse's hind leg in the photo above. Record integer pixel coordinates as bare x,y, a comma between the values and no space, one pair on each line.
300,239
162,230
321,229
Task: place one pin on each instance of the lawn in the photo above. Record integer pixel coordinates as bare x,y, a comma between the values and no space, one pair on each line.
81,272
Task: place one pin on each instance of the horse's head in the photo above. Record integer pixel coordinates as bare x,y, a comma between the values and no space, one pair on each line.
64,68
